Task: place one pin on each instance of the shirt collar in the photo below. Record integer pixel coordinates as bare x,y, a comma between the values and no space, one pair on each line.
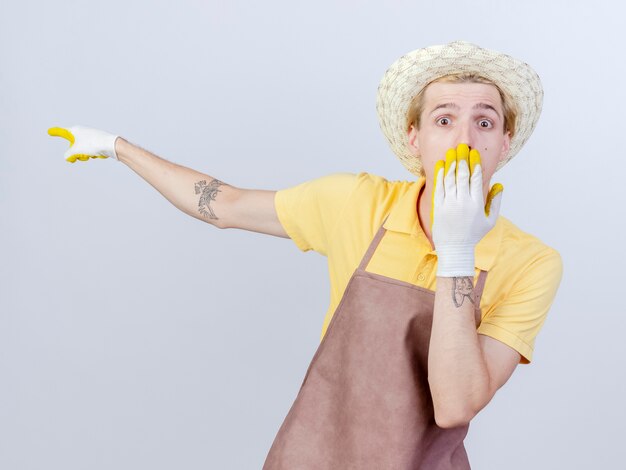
403,218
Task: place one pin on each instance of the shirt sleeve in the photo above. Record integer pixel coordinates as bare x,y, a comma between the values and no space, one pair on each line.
310,211
518,317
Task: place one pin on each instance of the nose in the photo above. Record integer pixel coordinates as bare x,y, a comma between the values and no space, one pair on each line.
465,135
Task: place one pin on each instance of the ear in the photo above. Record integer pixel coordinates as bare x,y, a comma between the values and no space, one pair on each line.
413,140
506,145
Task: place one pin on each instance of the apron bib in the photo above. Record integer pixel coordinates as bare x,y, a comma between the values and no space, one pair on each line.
365,401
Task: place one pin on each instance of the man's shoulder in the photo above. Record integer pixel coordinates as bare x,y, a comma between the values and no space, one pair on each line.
524,246
381,186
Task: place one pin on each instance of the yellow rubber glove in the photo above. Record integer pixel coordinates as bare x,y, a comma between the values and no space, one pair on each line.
86,143
460,217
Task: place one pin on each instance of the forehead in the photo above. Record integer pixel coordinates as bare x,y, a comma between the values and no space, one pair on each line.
461,94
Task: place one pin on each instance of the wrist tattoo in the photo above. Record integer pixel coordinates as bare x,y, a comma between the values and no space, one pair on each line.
207,192
462,287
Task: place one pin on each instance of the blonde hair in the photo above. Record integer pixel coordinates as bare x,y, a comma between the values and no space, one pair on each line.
416,107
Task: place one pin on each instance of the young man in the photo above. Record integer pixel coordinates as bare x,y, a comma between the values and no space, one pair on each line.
434,298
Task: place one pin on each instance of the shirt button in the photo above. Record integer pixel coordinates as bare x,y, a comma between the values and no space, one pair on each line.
420,277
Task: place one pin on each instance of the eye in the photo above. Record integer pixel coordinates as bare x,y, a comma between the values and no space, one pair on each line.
444,121
485,123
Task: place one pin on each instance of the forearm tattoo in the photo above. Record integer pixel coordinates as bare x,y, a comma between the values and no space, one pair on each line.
207,192
462,287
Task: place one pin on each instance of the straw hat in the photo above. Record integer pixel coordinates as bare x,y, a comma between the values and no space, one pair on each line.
413,71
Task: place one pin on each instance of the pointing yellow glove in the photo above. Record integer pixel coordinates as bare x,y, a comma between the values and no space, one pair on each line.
460,217
86,143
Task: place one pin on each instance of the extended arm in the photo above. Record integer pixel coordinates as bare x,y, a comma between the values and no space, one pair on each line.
196,194
202,196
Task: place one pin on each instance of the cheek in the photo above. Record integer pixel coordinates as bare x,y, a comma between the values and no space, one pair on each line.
489,157
435,149
488,174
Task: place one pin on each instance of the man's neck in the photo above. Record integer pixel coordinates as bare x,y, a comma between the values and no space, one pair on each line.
423,208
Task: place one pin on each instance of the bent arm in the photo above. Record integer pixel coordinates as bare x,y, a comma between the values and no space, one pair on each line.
465,369
202,196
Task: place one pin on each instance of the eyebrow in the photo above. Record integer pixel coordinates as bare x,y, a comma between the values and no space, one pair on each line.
456,106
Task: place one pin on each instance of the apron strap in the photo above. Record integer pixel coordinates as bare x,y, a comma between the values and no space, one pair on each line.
373,245
478,294
480,286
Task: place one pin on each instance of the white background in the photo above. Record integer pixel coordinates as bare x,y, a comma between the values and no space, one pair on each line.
133,336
